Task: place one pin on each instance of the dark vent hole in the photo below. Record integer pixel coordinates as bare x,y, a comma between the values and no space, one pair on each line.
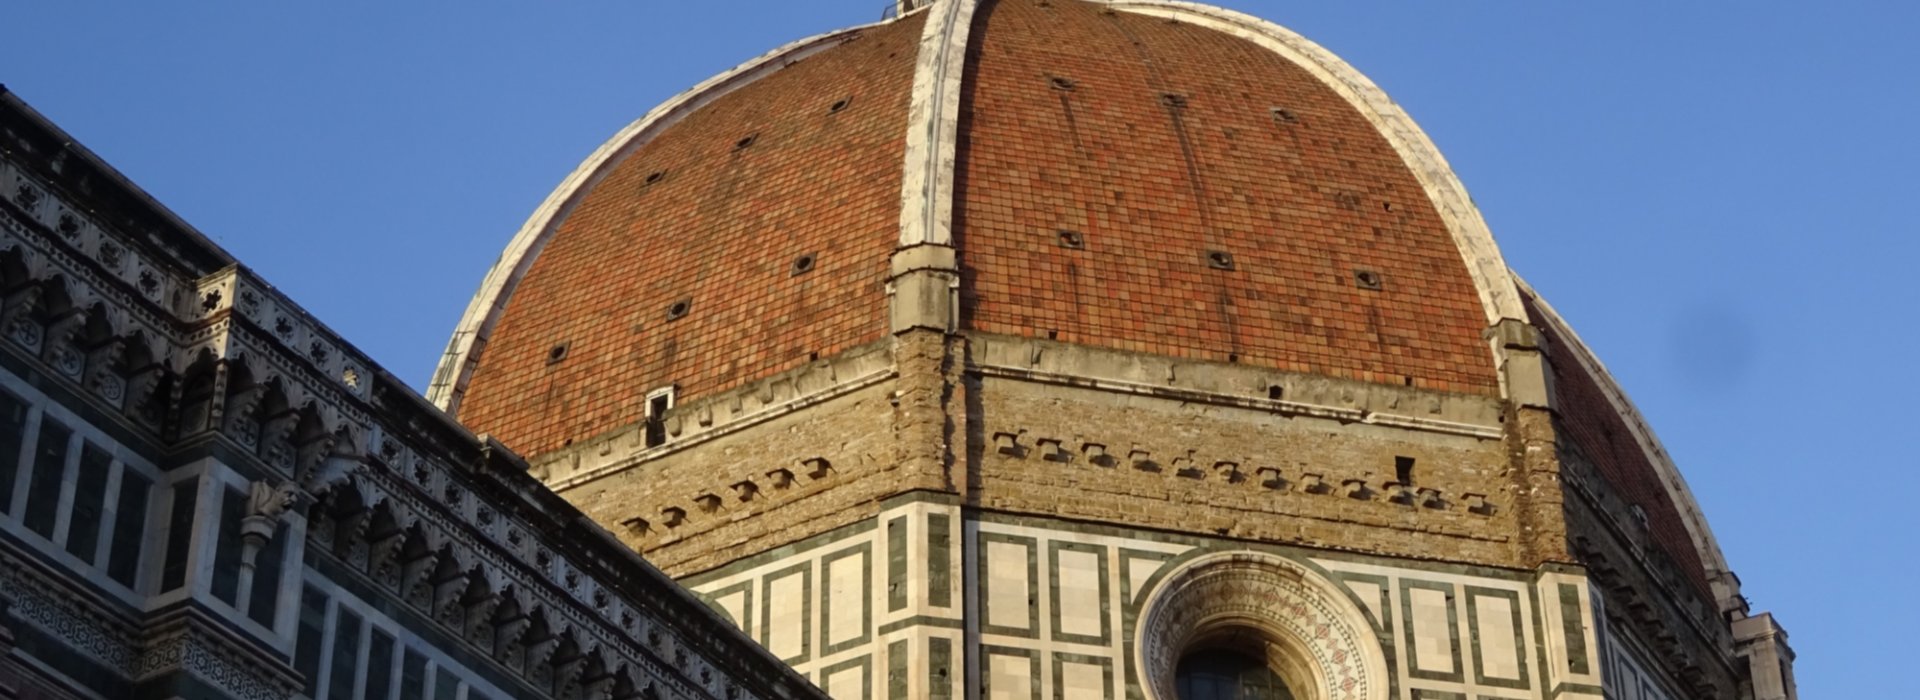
679,309
656,177
804,264
1403,470
1368,279
1275,392
1219,260
839,105
1072,239
1174,100
1063,83
746,142
558,352
1285,116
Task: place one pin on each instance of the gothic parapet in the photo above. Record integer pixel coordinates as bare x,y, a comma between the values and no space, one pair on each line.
146,330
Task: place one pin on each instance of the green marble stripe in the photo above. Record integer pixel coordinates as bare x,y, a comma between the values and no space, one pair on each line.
939,560
897,670
1570,622
897,564
939,668
921,621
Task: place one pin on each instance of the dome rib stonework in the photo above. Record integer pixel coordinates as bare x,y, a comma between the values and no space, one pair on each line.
1207,277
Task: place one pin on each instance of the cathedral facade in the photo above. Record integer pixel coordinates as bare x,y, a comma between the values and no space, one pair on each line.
999,350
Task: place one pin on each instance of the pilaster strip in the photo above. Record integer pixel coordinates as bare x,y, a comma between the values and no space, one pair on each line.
933,125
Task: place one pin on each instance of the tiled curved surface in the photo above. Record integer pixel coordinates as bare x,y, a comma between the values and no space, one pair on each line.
721,229
1302,201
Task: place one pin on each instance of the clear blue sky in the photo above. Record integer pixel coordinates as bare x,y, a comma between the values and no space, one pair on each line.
1717,195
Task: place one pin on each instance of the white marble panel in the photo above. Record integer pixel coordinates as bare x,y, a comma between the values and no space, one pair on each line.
1009,677
1007,584
785,628
1082,682
1493,616
1079,593
844,576
1432,631
735,605
1140,569
1369,594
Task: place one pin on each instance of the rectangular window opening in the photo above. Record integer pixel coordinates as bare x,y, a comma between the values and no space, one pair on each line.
49,468
446,686
346,656
173,570
226,549
379,665
263,601
13,433
89,502
129,528
307,641
413,676
659,402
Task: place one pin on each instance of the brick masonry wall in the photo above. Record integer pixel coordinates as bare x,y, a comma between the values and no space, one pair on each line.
1302,201
1167,464
850,433
721,227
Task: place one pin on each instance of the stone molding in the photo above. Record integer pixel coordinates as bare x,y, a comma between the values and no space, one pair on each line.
1312,622
86,626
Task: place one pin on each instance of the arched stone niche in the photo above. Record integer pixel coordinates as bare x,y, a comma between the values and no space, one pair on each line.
1304,626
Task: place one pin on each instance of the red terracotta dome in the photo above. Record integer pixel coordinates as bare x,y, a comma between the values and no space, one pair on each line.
1122,180
1132,175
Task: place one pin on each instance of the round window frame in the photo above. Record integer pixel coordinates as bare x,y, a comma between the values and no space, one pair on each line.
1321,643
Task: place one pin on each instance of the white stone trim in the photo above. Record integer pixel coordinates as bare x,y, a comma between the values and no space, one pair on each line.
1311,621
933,125
1498,295
1676,485
483,312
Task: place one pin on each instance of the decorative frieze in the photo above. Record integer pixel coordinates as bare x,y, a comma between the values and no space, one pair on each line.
1013,444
